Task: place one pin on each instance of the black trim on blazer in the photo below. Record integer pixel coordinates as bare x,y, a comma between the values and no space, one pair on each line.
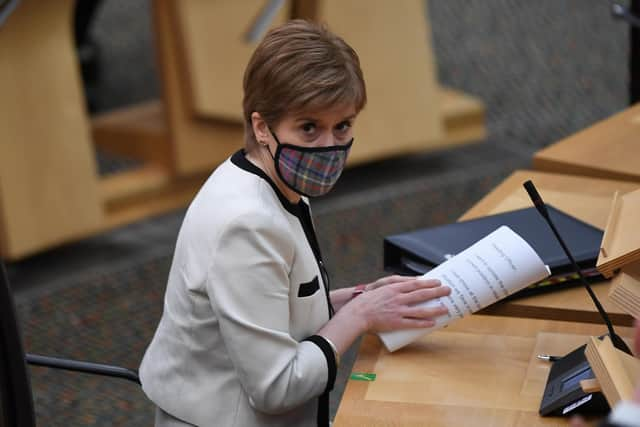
309,231
323,400
309,288
299,210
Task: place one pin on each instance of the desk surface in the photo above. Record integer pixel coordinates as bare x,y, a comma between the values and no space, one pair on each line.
588,199
608,149
480,370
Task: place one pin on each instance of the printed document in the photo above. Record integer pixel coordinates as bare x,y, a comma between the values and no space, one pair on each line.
489,270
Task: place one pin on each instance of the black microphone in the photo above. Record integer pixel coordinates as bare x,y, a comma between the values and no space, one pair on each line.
542,208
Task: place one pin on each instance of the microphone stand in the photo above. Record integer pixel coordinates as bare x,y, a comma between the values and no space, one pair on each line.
563,394
542,209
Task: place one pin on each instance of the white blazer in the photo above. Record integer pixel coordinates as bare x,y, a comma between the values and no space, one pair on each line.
244,292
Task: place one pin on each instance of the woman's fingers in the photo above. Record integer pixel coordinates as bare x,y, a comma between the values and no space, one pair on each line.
389,280
415,284
417,317
395,279
423,294
410,323
424,313
408,283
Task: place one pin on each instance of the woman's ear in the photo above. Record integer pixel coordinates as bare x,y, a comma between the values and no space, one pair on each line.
260,127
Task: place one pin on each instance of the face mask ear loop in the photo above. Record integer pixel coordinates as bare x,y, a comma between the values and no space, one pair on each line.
277,142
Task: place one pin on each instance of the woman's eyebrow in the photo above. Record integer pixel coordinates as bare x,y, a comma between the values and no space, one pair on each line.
311,119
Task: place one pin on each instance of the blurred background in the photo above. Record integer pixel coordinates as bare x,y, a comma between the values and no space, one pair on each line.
540,71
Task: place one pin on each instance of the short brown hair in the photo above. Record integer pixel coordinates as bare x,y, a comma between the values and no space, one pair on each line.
300,66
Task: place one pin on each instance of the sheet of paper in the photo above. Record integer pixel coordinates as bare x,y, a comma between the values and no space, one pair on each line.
491,269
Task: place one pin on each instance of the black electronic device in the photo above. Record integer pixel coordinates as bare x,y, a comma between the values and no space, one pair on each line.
563,394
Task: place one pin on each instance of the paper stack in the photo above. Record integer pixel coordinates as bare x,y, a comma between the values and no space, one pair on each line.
615,370
621,241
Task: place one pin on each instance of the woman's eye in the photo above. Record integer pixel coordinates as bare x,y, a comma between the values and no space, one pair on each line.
309,128
343,127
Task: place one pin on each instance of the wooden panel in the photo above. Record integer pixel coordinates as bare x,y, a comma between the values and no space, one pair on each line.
48,179
585,198
621,241
463,117
571,304
616,371
588,199
216,52
149,200
138,132
625,289
393,41
198,145
481,370
133,184
608,149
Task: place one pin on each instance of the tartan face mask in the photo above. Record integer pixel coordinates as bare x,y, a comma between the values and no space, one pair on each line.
310,171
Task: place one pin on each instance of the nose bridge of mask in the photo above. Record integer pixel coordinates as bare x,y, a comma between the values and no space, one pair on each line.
332,141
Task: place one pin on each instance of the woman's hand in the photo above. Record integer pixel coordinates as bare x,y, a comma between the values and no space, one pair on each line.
387,304
340,297
388,280
391,303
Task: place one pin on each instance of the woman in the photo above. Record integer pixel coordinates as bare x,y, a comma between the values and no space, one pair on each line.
250,334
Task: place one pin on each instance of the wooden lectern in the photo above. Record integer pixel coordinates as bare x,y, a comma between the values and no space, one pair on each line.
49,190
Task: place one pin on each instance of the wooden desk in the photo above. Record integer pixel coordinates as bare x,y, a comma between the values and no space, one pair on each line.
479,371
608,149
585,198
